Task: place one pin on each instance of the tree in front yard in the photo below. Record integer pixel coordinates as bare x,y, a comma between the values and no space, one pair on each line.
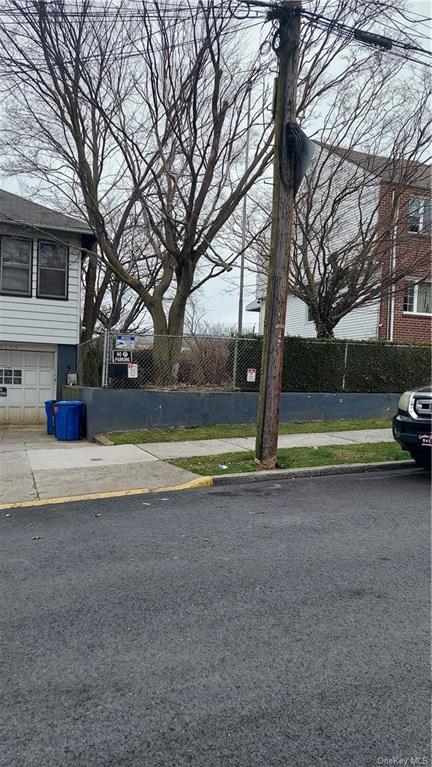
137,116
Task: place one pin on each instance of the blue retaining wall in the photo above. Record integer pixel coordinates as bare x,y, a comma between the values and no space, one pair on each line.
120,409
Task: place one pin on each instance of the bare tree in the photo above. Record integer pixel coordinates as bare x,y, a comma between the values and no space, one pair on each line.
137,117
351,208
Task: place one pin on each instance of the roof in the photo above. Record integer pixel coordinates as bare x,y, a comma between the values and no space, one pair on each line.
409,172
18,210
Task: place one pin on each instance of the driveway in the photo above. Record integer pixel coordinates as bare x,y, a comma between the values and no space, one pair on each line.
270,625
35,465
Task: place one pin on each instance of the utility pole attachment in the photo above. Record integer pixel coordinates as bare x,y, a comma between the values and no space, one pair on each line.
285,184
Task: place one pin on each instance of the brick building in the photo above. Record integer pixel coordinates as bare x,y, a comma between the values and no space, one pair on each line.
405,311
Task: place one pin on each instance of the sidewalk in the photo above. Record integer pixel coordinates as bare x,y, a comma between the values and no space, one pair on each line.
169,450
36,466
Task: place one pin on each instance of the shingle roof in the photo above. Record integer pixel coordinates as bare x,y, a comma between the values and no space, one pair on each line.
19,210
407,172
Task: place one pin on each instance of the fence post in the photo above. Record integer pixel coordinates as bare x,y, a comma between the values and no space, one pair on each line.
235,362
345,366
105,360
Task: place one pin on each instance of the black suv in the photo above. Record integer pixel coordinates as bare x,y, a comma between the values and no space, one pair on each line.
412,425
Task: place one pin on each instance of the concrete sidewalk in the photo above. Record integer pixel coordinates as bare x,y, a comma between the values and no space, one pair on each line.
169,450
35,466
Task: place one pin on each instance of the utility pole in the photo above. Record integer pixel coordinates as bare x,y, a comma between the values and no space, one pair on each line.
284,187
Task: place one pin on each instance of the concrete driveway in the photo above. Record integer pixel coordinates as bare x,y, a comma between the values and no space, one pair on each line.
35,465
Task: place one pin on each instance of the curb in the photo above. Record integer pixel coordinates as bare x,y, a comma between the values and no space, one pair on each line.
219,480
192,484
318,471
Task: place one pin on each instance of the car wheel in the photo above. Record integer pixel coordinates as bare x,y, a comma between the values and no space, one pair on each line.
422,458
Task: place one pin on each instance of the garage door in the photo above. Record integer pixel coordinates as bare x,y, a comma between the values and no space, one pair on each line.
26,381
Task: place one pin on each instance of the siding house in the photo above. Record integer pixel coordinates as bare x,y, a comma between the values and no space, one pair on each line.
402,313
40,304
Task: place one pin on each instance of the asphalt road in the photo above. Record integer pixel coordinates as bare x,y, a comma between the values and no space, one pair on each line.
257,625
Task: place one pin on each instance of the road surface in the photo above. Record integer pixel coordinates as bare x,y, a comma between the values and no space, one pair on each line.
266,624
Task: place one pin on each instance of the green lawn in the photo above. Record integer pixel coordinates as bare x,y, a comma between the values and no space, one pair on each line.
219,431
296,457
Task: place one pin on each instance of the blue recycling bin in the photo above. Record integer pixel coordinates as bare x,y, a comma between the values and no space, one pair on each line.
49,411
68,416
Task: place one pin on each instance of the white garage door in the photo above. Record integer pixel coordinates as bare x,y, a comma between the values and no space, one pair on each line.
26,381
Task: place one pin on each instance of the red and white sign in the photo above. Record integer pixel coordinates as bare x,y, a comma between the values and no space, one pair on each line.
251,375
132,370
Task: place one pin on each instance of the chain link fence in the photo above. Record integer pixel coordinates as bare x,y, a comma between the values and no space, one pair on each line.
211,363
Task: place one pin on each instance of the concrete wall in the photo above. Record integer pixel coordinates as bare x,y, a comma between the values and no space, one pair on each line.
120,409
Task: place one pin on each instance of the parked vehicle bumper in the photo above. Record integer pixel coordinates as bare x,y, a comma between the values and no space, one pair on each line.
407,432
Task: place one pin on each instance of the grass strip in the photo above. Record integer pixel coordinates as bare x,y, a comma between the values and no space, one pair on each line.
219,431
295,458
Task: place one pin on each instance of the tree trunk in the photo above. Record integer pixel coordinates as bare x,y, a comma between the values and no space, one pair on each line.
167,344
324,329
88,319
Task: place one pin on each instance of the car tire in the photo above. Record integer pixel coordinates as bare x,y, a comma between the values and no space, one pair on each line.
422,458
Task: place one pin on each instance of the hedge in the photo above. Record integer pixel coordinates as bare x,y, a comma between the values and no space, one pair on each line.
311,365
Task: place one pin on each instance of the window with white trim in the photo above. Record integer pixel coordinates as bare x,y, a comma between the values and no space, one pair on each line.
15,266
417,297
419,215
52,280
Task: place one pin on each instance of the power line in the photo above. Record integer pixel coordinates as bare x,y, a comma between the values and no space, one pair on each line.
385,41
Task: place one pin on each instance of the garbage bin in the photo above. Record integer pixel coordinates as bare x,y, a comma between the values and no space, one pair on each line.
49,411
68,419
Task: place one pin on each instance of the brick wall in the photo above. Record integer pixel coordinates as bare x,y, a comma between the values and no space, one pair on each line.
413,254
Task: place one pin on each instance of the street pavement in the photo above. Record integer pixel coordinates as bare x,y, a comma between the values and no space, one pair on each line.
36,466
272,625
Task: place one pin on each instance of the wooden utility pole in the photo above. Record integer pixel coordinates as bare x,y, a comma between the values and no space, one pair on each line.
288,41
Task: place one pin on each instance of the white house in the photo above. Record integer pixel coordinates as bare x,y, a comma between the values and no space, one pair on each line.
40,280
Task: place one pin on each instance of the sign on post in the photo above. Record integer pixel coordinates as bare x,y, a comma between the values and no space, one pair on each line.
124,342
251,375
132,370
121,356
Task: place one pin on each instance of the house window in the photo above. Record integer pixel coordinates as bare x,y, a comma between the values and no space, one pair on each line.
15,266
419,216
417,297
309,314
52,282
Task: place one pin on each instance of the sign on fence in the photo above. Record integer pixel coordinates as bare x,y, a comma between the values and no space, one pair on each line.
132,370
251,375
124,342
121,356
